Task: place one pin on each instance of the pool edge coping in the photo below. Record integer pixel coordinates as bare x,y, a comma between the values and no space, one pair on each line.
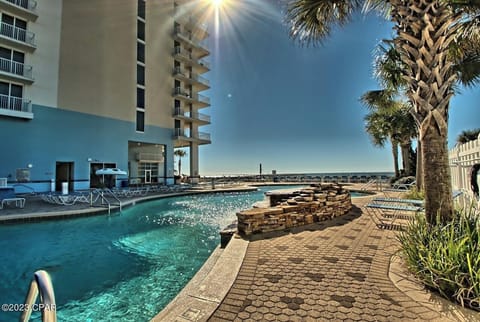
206,290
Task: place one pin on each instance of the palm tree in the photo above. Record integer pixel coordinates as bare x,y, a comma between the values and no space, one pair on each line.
468,135
379,128
391,118
180,154
434,38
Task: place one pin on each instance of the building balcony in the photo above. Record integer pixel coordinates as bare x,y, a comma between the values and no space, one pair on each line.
16,71
22,8
191,78
196,99
186,57
15,107
190,40
193,117
17,36
191,136
191,23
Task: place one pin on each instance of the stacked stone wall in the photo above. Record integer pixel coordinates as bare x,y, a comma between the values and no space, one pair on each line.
293,209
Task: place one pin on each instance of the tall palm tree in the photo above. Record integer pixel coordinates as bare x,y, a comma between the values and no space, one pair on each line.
180,154
427,32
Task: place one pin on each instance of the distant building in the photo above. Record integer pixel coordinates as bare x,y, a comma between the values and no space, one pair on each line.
87,84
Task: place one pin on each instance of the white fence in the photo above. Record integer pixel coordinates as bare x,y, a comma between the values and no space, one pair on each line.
462,158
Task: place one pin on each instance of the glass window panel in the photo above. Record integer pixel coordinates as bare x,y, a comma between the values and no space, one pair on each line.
140,75
140,52
140,97
140,121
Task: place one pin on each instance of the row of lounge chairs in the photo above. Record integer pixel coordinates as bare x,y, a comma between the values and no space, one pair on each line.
93,195
394,213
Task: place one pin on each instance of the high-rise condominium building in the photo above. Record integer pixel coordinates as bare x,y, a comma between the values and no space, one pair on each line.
94,84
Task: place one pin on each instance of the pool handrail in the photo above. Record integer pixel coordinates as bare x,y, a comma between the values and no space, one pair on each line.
41,283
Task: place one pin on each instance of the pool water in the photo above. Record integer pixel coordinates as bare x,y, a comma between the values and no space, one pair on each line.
124,267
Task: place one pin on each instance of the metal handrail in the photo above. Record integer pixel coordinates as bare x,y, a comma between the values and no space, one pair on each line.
114,197
42,284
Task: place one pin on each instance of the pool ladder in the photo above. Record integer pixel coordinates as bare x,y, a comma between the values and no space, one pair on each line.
42,284
104,200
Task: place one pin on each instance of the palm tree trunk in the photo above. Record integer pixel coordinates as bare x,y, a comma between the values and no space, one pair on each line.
180,166
436,170
419,175
405,149
395,158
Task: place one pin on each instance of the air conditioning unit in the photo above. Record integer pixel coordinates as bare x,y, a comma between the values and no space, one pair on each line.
3,182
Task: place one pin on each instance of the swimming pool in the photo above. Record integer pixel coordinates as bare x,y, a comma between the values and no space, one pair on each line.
124,267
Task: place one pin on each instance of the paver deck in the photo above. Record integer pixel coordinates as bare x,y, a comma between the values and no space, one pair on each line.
335,270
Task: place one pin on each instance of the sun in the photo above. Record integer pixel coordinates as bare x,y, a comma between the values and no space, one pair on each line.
217,3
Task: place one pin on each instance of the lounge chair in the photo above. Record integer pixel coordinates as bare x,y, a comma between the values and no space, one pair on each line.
385,212
9,198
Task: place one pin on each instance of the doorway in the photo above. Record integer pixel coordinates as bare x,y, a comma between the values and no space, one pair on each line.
64,173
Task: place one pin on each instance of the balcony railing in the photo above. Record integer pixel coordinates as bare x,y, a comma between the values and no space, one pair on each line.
16,68
192,135
26,4
179,112
15,104
177,71
188,37
188,55
201,117
182,92
16,33
202,98
202,136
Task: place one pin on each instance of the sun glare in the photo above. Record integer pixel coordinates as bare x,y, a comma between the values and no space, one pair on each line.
217,3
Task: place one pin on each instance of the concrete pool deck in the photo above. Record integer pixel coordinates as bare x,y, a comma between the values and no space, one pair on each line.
344,269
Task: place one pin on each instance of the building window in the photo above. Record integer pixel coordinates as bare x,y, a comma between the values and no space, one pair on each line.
140,52
141,8
13,27
140,121
141,30
140,75
11,61
140,97
11,96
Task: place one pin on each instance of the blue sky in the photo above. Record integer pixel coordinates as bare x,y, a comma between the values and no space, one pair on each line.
295,109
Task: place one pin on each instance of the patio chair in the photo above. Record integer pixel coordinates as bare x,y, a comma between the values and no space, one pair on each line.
386,212
9,198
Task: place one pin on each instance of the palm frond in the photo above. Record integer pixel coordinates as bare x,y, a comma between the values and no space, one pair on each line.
312,21
377,99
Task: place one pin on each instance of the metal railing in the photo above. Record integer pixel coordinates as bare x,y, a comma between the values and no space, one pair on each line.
26,4
15,104
188,55
203,136
188,36
202,98
42,284
16,33
104,200
16,68
178,111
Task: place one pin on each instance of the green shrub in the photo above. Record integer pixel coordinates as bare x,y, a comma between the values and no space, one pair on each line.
446,258
414,194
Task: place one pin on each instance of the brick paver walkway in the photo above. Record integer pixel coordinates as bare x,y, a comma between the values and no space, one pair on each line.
337,270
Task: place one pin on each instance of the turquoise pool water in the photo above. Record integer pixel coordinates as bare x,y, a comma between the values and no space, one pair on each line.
124,267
